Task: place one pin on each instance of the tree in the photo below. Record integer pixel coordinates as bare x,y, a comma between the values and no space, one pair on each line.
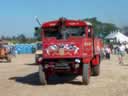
101,28
22,39
125,30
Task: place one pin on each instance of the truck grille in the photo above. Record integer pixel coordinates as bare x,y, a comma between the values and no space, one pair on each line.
62,66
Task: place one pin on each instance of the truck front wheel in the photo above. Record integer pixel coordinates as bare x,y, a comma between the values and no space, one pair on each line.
42,75
86,74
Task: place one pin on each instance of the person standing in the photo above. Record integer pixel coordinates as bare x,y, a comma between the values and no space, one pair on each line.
121,53
126,48
108,52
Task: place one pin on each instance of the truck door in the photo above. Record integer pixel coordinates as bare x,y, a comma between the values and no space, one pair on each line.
91,36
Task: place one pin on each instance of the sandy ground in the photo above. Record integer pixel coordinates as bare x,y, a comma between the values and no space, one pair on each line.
20,78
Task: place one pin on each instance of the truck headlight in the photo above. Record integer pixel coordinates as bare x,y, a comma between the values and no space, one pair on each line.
77,60
53,47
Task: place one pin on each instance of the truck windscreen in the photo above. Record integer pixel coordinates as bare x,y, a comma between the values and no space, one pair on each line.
64,33
74,31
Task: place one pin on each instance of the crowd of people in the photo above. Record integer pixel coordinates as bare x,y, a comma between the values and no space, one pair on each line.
119,49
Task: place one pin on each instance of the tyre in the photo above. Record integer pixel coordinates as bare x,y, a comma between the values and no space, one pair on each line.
86,74
96,70
42,75
8,58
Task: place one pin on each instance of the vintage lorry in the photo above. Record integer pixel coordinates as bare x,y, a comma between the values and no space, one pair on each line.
69,46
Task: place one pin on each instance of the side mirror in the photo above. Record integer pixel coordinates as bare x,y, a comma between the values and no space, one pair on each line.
36,28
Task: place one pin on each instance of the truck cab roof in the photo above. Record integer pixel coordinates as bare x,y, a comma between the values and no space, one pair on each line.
67,22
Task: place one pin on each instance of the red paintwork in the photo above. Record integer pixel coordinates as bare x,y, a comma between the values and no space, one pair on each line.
67,23
98,45
84,45
67,53
96,61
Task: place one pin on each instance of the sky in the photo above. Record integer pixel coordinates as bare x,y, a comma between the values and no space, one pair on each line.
18,16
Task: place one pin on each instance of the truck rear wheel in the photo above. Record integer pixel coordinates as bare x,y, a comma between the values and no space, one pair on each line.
42,75
96,70
86,74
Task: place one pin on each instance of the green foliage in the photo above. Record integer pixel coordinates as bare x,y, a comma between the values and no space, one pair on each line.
19,39
100,28
125,30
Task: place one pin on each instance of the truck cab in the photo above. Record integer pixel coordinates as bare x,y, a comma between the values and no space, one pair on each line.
69,46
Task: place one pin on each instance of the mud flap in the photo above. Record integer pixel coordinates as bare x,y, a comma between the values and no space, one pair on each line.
96,66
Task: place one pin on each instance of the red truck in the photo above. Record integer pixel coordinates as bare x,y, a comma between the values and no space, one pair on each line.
69,46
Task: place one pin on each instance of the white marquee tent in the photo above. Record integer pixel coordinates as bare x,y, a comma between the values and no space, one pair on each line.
118,36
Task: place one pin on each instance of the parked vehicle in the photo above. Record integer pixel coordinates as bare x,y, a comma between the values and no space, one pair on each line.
69,46
4,51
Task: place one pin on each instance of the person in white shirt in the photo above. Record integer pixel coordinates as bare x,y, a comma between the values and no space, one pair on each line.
122,48
121,53
107,51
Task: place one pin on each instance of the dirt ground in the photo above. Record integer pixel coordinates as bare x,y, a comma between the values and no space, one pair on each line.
20,78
